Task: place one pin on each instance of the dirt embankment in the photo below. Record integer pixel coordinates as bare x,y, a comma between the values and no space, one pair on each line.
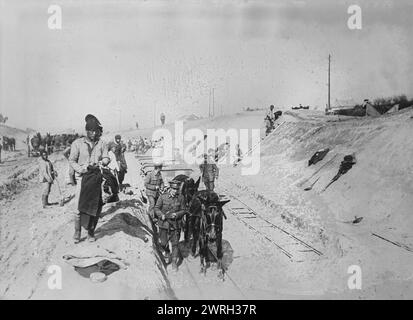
377,188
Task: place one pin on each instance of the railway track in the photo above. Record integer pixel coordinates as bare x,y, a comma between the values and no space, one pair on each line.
198,279
295,249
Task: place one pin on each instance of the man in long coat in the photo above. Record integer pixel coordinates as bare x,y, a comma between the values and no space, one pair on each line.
85,154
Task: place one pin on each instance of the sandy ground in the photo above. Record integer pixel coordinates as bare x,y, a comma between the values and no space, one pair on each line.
34,240
377,188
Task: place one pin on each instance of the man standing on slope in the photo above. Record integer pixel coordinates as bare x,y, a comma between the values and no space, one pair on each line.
162,118
269,120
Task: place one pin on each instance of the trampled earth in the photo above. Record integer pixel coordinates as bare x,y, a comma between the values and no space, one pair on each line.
280,241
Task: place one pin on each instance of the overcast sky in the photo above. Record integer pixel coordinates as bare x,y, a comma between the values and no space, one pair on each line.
126,61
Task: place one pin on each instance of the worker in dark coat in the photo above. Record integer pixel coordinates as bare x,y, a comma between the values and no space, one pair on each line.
85,155
170,209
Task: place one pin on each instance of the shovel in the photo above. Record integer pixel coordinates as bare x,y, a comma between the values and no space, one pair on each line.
312,185
355,221
332,181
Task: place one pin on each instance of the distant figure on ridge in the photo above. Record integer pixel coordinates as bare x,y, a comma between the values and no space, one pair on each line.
162,118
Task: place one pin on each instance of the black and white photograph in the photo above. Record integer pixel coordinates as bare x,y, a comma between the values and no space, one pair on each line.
231,150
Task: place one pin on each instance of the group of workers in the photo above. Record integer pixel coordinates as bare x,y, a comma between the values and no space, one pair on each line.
167,206
90,161
89,156
141,145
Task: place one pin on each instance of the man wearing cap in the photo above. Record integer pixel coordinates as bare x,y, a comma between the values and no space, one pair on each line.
154,184
209,172
85,153
170,209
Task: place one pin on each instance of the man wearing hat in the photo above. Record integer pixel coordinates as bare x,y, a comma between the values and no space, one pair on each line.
209,172
170,209
86,152
154,184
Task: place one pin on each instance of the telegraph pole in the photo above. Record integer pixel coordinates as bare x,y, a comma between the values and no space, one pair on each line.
209,103
329,63
213,101
154,116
